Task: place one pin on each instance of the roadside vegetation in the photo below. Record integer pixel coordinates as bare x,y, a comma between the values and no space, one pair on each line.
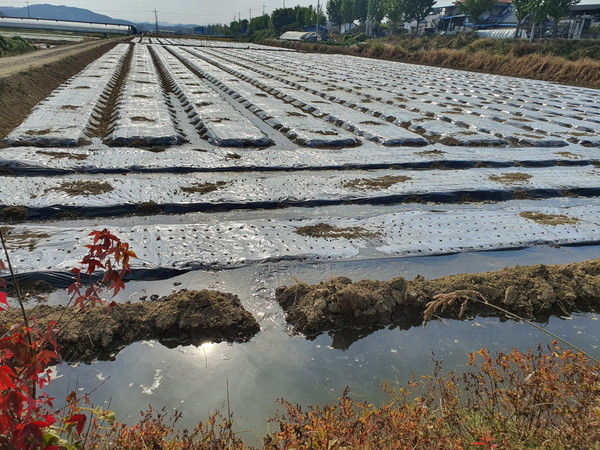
14,46
543,398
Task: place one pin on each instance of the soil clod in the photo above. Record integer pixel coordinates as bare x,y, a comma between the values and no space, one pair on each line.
529,291
182,318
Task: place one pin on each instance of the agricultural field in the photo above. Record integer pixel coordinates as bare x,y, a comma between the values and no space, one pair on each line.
243,168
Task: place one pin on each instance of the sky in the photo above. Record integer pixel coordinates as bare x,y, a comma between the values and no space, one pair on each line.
201,12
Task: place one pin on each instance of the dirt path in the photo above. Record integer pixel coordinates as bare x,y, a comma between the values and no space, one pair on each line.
11,65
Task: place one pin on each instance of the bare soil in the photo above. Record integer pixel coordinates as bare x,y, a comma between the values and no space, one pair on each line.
323,230
184,317
376,183
204,188
549,219
85,188
63,155
529,291
16,213
508,178
25,80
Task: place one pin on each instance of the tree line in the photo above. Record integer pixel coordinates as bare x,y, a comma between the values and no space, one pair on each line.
263,26
374,12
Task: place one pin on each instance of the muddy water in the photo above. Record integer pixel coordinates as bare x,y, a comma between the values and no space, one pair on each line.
276,364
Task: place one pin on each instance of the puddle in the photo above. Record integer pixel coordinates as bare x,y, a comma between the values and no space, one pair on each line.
276,364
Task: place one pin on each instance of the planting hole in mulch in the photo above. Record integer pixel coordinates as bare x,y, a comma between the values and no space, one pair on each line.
508,178
549,219
83,188
376,183
323,230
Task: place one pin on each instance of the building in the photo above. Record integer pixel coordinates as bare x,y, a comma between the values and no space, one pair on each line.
23,23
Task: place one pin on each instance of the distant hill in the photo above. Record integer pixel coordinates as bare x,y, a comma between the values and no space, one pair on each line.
53,12
60,13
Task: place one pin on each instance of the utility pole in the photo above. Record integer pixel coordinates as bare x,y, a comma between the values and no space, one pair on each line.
263,9
317,27
28,13
156,20
283,4
250,14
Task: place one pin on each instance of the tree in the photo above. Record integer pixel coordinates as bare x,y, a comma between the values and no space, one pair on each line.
475,8
538,14
557,10
361,10
283,19
260,23
521,9
394,11
347,11
334,11
376,13
418,10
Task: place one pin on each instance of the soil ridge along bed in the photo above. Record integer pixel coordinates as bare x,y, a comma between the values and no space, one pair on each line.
20,92
184,317
528,291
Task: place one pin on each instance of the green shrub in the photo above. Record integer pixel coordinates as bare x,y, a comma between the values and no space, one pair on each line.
14,45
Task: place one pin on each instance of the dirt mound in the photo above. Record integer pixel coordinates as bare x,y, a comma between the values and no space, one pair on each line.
184,317
531,291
